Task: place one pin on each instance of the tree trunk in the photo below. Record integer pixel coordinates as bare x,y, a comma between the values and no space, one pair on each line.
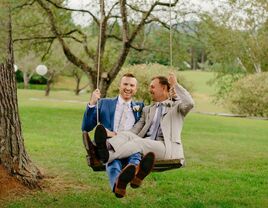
77,90
193,60
25,80
77,78
203,58
48,87
13,155
49,82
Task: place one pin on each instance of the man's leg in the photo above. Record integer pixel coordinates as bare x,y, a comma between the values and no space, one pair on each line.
134,159
113,169
126,144
123,139
136,144
147,145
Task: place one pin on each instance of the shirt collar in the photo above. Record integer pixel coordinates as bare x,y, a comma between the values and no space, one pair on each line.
121,101
163,102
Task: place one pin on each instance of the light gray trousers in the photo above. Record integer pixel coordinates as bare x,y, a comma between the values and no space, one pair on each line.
127,143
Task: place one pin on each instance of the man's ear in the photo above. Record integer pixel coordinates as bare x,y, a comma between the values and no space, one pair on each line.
165,88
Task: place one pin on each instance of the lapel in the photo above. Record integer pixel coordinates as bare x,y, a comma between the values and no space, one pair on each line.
112,111
168,105
151,113
135,113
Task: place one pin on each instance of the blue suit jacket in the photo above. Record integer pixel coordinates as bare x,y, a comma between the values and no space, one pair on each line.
106,114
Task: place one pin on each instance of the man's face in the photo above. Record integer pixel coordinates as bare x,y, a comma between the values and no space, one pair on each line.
158,91
128,87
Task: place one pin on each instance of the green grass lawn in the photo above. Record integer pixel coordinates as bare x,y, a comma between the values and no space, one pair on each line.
200,81
227,161
203,92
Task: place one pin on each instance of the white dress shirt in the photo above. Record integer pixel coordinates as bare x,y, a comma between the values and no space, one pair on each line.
151,129
129,119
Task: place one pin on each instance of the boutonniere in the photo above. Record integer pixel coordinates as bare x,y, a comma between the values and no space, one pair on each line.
136,108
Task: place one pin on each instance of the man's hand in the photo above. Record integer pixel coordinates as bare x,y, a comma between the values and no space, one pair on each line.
94,97
172,79
110,133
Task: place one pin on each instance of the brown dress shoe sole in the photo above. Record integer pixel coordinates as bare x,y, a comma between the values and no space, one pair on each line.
144,168
126,175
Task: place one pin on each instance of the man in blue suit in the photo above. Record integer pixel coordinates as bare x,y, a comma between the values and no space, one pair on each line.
116,114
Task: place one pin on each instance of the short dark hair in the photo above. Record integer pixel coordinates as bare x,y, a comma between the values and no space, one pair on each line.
129,75
162,80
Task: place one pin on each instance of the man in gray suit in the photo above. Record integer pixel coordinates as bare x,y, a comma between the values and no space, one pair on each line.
158,130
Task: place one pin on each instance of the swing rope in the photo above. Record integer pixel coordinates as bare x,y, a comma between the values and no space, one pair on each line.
170,41
170,36
98,68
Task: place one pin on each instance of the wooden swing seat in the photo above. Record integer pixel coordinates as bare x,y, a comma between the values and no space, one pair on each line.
160,165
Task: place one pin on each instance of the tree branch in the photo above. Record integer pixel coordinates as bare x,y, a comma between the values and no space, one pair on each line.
110,11
75,10
24,5
66,35
47,51
68,53
34,38
131,46
123,11
146,14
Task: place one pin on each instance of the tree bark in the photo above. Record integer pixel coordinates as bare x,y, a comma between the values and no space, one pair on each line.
13,155
77,89
193,59
203,58
50,78
25,80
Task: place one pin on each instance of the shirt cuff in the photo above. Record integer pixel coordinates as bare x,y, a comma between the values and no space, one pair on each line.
91,106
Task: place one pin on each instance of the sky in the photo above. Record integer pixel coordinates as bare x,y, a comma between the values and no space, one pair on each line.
184,5
84,19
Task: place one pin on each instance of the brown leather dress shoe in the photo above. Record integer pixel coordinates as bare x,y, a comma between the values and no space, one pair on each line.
126,175
143,169
100,138
92,159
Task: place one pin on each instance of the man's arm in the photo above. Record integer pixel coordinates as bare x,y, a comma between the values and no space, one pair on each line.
185,100
181,95
140,124
90,115
89,118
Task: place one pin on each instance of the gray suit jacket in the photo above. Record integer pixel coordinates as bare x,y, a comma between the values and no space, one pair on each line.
171,122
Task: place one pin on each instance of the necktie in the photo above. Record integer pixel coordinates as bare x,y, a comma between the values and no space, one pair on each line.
123,117
157,122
